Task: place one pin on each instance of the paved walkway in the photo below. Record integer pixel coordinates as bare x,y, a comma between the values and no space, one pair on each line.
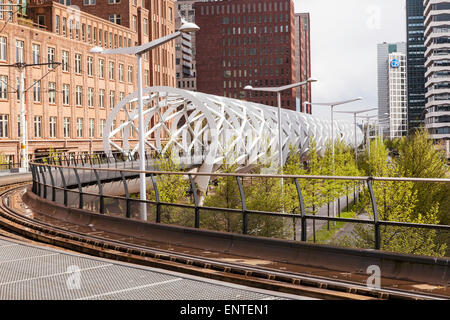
29,272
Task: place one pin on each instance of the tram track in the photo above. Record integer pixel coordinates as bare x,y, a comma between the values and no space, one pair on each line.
59,235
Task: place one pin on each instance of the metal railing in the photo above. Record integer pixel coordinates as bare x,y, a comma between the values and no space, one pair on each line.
69,185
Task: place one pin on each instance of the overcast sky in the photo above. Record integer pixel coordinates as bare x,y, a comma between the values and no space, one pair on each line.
344,38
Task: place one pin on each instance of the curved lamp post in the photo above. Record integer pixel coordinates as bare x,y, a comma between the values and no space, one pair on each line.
278,90
139,51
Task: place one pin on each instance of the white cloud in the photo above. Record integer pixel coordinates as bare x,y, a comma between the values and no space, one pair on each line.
344,38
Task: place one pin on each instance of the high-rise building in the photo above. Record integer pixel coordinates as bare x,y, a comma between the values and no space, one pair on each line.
246,42
303,60
415,29
68,105
185,47
437,54
392,89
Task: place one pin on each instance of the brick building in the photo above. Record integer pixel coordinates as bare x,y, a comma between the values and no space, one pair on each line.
303,60
68,106
247,42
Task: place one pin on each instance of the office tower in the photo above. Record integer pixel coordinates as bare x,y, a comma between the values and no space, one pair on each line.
303,60
392,89
415,29
246,42
437,54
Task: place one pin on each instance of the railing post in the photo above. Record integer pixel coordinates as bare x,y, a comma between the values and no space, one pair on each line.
36,168
64,185
304,236
80,189
375,215
244,207
100,192
53,183
43,180
158,205
33,174
127,194
197,209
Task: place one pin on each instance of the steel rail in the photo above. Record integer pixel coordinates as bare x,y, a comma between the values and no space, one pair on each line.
310,177
319,285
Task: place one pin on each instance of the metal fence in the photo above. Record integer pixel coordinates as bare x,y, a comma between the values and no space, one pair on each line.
105,186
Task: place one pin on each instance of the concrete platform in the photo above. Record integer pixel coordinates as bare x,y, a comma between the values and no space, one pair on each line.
30,272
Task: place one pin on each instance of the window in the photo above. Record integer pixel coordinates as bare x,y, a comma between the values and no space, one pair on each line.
38,127
89,2
37,91
115,18
51,57
121,72
79,95
65,60
101,98
134,23
77,63
102,127
3,87
19,51
52,124
3,50
90,63
57,24
91,128
66,127
101,68
52,92
113,1
90,97
4,126
80,127
130,74
66,94
111,70
112,98
145,26
64,25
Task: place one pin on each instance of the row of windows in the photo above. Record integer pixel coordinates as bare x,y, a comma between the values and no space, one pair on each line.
65,93
53,125
245,8
256,19
65,61
97,36
255,30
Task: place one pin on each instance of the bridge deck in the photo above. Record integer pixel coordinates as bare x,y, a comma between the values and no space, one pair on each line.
40,273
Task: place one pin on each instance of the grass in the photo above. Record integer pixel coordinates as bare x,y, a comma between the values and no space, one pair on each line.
323,235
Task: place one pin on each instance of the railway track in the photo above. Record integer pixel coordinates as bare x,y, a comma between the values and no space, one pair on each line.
60,236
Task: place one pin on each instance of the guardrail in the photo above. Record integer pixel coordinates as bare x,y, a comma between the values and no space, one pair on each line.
74,186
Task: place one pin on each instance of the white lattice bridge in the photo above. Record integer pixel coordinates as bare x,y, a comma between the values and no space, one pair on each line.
204,130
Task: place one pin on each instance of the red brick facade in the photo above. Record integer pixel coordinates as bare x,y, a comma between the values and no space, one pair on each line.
246,42
75,124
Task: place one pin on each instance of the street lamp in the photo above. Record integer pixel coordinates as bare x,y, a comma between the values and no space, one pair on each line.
368,130
278,90
354,116
186,27
332,105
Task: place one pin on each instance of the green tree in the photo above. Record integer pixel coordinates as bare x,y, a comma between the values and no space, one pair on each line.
396,201
171,189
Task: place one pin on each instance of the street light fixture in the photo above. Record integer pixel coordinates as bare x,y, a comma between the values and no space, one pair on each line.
332,105
278,90
354,116
186,27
